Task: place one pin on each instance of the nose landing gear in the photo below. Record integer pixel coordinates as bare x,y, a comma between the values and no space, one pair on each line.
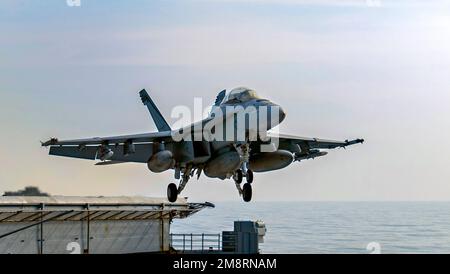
249,176
246,190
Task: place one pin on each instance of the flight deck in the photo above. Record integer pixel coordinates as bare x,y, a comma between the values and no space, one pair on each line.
113,225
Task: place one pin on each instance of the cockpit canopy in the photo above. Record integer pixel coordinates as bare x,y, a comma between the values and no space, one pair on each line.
240,95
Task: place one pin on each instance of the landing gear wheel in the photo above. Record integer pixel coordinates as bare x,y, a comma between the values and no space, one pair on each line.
172,192
247,192
237,177
249,176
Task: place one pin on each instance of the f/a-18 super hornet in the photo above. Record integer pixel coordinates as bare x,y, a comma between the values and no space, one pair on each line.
234,141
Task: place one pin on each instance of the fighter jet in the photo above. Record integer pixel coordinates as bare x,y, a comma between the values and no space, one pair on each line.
234,141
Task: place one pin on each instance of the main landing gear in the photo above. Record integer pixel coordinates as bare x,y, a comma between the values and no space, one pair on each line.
173,190
246,190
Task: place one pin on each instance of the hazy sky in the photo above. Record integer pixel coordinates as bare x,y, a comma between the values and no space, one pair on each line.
378,70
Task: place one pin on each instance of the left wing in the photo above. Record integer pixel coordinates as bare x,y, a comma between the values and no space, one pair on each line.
309,148
314,143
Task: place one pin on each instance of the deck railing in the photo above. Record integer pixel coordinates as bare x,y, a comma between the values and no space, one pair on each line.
196,242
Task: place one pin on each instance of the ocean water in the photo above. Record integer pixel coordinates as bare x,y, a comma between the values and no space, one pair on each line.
334,227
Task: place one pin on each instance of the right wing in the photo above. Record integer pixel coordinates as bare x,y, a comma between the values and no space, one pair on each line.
135,138
91,147
141,155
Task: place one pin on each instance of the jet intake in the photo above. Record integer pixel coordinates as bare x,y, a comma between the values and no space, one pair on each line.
161,161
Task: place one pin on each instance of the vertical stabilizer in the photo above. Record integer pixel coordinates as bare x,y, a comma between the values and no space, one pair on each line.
159,120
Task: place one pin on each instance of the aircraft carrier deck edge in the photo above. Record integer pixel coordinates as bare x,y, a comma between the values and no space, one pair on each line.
68,224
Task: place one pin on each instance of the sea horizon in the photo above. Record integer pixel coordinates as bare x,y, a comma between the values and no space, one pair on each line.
334,227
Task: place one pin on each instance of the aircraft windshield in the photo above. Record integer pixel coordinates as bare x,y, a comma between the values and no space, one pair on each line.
240,95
